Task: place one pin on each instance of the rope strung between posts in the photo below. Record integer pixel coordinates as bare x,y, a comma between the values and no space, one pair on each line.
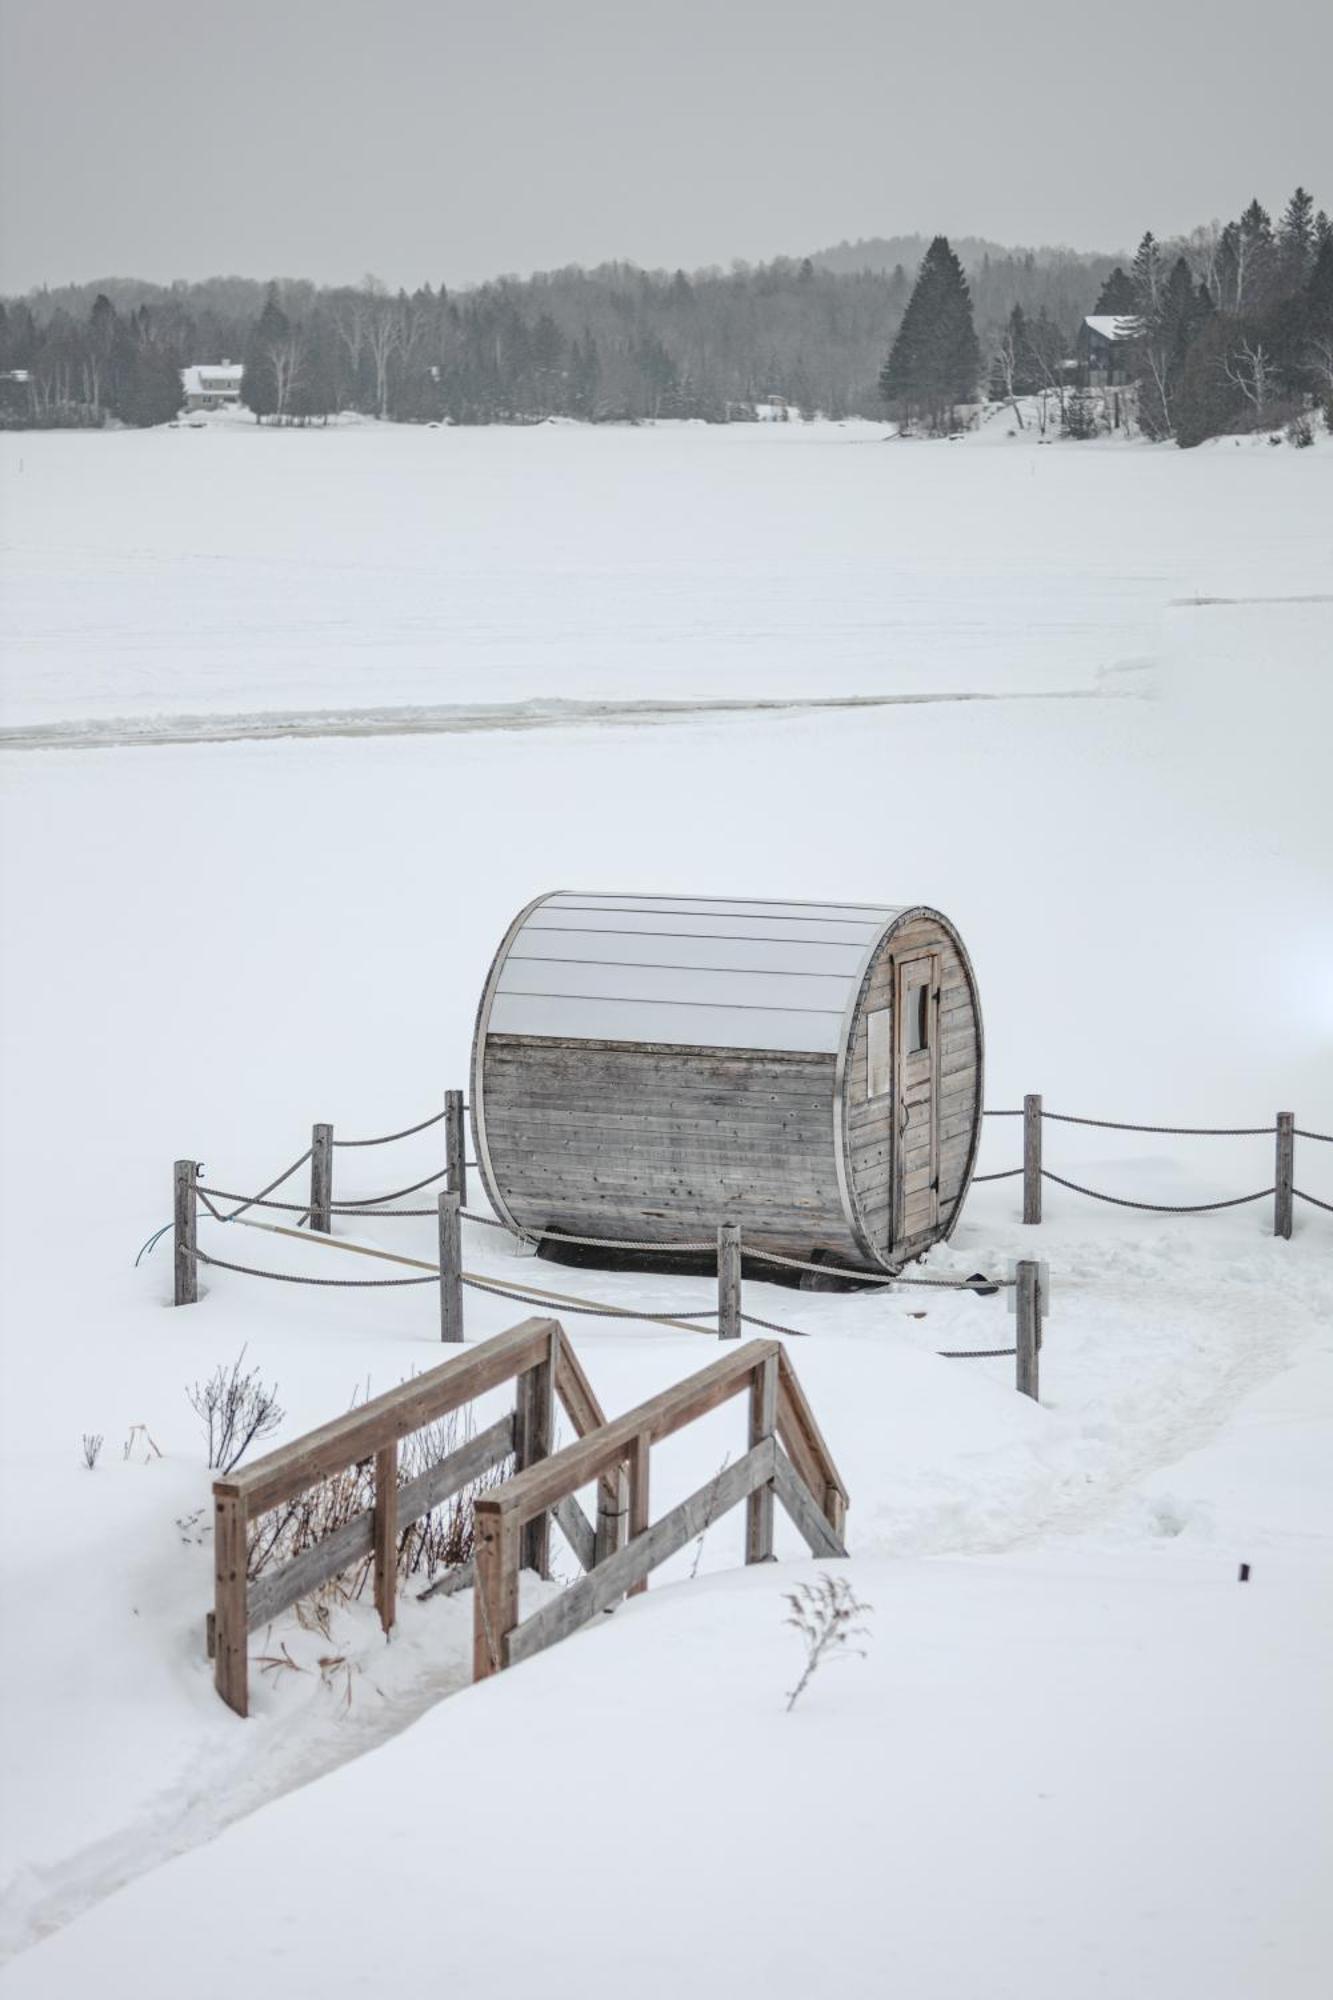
389,1138
974,1353
258,1200
294,1278
972,1284
395,1194
1158,1207
561,1299
1313,1200
303,1207
1009,1174
1174,1131
1324,1138
771,1326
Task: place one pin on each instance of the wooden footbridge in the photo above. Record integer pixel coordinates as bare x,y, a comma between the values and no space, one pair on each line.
786,1460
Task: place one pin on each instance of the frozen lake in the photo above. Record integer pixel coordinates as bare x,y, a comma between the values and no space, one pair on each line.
233,569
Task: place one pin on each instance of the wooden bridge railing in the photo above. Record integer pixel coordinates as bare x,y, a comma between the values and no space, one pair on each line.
534,1354
787,1459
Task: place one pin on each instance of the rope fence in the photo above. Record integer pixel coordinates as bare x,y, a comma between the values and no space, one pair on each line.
1284,1131
1027,1285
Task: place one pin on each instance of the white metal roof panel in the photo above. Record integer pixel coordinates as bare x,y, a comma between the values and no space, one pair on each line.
705,972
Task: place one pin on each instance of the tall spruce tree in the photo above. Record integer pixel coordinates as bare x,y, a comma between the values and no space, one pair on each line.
1117,295
935,361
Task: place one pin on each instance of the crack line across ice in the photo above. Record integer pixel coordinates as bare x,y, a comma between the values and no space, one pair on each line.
120,732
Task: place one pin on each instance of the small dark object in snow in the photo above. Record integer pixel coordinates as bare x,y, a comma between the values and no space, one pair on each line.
1244,1576
982,1286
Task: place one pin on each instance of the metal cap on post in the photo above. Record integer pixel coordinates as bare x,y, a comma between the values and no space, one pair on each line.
451,1268
729,1281
185,1218
1032,1158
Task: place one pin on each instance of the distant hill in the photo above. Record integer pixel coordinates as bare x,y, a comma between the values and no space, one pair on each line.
885,253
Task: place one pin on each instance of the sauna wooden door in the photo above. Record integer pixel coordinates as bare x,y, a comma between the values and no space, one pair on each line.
916,1179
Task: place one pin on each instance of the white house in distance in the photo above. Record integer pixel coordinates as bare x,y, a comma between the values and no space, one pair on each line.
212,385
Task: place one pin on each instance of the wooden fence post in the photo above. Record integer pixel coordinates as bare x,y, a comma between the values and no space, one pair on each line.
763,1423
729,1281
534,1435
1027,1305
231,1663
455,1145
321,1179
1285,1174
185,1217
451,1268
385,1531
1032,1158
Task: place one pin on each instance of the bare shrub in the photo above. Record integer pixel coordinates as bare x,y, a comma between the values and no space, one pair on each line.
1299,432
441,1539
824,1614
235,1409
92,1444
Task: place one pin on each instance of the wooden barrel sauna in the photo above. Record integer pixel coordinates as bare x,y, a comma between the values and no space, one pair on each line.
645,1067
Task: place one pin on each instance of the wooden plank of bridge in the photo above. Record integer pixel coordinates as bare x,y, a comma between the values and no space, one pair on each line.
578,1464
627,1570
586,1414
386,1535
639,1459
231,1663
763,1421
534,1434
495,1598
799,1503
291,1469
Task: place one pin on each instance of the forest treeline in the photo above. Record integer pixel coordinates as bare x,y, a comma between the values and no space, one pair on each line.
621,344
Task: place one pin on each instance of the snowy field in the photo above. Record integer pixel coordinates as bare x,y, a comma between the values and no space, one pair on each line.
1079,1758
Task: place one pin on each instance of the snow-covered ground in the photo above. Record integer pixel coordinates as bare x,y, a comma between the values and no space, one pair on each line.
1079,1757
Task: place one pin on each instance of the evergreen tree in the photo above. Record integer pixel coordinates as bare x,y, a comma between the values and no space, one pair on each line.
1118,295
1147,278
935,361
1319,289
1295,236
259,382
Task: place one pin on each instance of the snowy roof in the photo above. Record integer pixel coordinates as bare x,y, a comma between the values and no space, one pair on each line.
229,372
1113,326
706,972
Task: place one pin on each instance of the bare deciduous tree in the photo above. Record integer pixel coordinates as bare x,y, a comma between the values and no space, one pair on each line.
1249,369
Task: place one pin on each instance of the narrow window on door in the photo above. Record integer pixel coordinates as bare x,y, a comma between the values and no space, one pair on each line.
879,1052
918,1019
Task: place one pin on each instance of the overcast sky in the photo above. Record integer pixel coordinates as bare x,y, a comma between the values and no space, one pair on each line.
434,139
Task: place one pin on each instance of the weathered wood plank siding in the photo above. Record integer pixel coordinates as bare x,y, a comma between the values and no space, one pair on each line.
598,1138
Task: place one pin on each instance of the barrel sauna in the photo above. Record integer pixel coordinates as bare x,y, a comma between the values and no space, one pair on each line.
645,1067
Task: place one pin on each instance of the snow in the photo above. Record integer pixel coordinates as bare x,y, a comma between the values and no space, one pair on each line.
1112,326
1080,1757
